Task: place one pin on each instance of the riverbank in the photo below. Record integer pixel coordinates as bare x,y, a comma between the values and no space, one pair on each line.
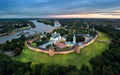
15,31
3,34
47,22
39,28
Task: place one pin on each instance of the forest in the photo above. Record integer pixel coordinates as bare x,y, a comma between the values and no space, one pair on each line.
15,45
8,26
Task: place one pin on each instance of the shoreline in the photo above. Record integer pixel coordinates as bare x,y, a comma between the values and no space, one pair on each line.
14,31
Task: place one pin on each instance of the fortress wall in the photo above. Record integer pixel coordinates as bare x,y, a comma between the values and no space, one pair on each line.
51,53
90,42
36,49
32,40
65,52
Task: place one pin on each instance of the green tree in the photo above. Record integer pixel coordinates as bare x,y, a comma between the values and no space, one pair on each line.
48,35
37,69
97,71
72,73
17,51
80,38
70,37
50,70
85,68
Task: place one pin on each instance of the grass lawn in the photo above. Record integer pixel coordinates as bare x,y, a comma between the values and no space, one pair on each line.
74,59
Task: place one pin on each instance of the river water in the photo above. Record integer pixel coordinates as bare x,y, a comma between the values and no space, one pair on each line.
40,27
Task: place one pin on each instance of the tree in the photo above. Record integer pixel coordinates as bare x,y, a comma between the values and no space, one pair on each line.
50,70
97,71
37,69
4,62
72,73
72,68
7,42
84,73
80,38
22,38
20,71
17,51
48,35
85,68
70,37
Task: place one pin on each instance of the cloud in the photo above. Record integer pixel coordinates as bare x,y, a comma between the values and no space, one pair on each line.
44,8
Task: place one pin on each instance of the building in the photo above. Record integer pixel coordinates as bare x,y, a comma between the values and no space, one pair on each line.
60,45
56,37
74,39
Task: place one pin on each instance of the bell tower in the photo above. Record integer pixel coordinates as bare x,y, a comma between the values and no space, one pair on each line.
74,38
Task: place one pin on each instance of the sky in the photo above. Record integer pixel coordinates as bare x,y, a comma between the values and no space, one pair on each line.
59,8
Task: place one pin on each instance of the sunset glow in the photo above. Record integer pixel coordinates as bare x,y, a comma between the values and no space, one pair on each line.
85,16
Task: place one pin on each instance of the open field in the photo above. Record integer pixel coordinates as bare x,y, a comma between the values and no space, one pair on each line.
74,59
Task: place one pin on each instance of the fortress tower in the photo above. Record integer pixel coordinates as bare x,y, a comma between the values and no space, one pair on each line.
51,51
77,48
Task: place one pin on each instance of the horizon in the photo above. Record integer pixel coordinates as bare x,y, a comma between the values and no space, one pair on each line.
107,9
56,18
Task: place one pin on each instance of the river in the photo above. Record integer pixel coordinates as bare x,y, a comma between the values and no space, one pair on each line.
40,27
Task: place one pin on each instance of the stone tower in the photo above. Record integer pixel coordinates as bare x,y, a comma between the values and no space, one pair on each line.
77,48
51,51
